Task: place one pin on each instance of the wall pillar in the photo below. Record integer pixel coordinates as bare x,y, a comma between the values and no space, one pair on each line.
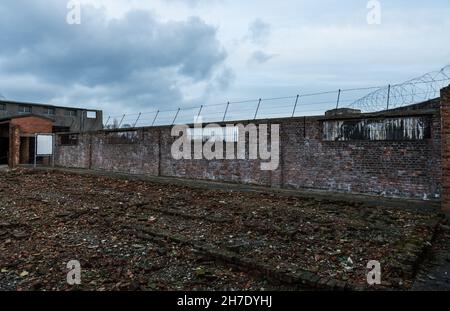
445,151
14,146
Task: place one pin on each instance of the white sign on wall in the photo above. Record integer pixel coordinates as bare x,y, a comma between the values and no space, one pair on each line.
44,144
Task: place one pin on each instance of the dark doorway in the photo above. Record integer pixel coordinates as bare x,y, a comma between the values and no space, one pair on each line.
32,149
24,150
4,150
4,144
27,150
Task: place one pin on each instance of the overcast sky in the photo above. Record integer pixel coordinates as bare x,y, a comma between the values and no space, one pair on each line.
142,55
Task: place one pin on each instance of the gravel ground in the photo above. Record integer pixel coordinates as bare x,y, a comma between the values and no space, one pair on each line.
50,218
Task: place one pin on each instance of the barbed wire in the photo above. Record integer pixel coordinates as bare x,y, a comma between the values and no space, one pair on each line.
380,98
412,91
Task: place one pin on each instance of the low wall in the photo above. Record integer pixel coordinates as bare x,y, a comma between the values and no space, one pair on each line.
403,159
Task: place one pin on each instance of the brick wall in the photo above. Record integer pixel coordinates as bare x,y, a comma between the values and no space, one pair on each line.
14,146
32,125
445,119
136,158
395,168
76,155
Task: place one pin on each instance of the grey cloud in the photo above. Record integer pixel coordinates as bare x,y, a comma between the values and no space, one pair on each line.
135,60
195,3
222,80
260,57
259,32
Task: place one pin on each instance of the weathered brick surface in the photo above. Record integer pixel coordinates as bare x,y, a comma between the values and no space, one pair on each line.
392,168
14,146
32,125
445,120
134,158
74,156
407,168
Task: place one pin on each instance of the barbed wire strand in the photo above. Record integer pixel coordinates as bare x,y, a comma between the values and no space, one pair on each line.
420,89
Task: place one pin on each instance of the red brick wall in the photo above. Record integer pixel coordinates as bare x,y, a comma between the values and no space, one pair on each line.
389,168
32,125
445,120
14,146
402,168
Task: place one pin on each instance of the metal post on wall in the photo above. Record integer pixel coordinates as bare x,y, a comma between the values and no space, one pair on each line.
199,113
257,109
176,116
137,120
107,121
295,106
338,99
226,110
388,97
120,124
156,116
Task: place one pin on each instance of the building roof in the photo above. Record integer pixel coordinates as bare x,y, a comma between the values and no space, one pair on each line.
5,101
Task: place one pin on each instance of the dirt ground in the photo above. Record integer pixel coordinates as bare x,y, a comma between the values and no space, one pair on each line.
138,235
434,274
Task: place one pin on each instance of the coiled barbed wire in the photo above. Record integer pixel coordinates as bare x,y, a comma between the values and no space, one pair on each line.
420,89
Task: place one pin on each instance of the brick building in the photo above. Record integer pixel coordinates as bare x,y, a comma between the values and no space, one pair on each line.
17,138
65,119
19,122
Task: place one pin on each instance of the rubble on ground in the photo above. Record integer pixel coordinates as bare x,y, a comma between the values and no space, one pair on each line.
138,235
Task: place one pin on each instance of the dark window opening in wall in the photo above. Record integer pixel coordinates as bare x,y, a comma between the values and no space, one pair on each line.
71,113
69,140
25,109
126,137
2,107
4,150
61,129
49,111
91,114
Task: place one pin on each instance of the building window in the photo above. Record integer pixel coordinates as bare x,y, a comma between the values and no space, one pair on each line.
71,113
61,129
2,107
24,109
91,114
49,111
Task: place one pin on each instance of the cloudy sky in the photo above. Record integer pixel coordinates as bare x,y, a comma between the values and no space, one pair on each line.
142,55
